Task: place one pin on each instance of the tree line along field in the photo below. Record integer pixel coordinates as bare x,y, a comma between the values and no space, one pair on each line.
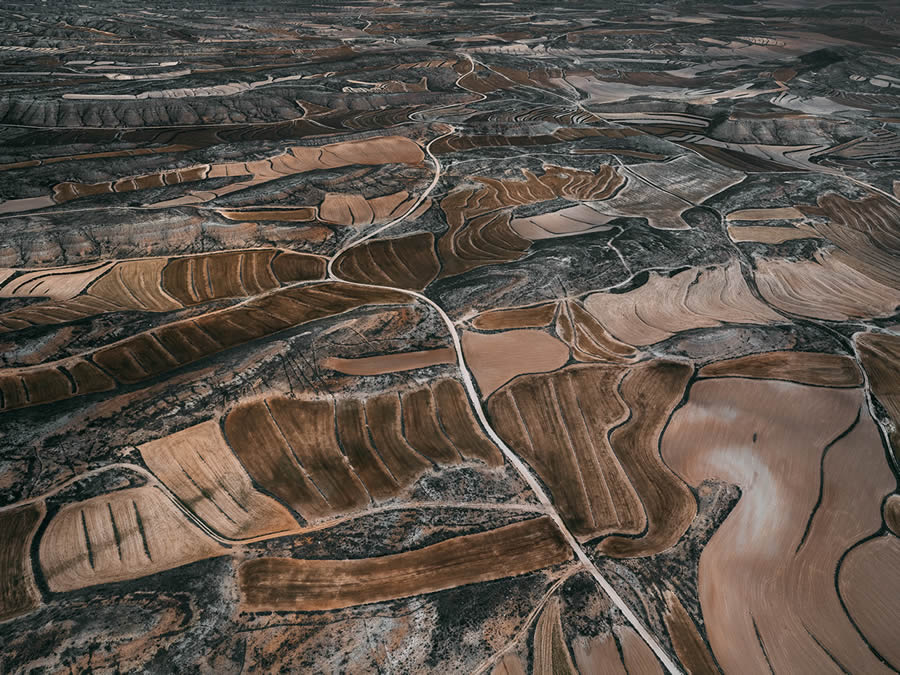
505,339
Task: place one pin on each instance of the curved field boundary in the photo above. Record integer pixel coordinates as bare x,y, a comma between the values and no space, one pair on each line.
287,584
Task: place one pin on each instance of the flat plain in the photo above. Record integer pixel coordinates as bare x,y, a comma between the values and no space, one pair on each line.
403,337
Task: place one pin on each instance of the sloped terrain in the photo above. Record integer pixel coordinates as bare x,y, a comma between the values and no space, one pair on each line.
497,338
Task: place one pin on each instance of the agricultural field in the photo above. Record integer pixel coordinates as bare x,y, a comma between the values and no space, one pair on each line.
503,338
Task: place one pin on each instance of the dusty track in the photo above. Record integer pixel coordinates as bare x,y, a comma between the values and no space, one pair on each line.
521,468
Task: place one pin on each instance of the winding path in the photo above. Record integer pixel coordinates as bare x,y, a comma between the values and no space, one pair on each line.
521,468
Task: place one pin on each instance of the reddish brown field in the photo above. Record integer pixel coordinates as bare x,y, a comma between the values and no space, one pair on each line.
880,358
405,262
559,423
809,493
869,585
826,370
597,450
535,316
391,363
286,584
324,457
18,593
497,358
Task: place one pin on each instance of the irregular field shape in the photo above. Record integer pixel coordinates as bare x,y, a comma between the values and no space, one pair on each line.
568,221
405,262
122,535
769,235
868,582
198,466
272,584
323,458
589,340
18,593
779,549
496,358
59,283
866,233
826,370
600,484
47,383
824,288
391,363
550,653
536,316
664,306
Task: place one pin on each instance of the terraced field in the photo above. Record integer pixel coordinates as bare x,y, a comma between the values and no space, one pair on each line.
498,338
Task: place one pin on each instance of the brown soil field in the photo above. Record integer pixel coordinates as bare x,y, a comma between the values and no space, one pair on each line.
497,358
18,593
324,457
308,427
620,653
460,425
826,288
405,262
483,240
826,370
263,450
198,466
479,237
358,445
865,231
536,316
892,514
340,208
559,423
783,213
510,664
423,429
289,266
47,383
651,390
136,284
667,305
300,214
197,279
869,585
384,417
122,535
686,639
55,312
637,657
550,654
880,358
147,354
598,654
391,363
810,492
770,235
588,339
285,584
59,283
